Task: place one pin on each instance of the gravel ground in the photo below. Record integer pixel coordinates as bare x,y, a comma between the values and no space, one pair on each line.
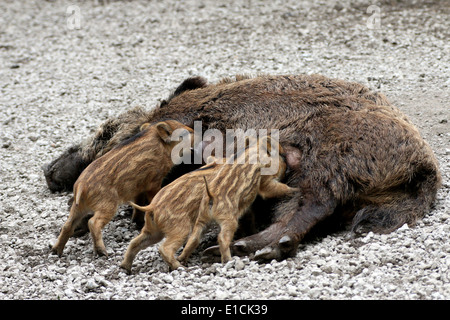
65,67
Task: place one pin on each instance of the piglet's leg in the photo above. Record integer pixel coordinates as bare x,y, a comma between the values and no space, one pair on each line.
228,227
96,224
193,241
269,189
250,244
276,189
75,218
142,241
168,249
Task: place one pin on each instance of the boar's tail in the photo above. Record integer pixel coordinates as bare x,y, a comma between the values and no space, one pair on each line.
144,209
210,195
79,192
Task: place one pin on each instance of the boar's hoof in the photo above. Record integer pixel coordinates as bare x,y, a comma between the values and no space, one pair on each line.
281,249
285,247
285,241
288,247
212,251
267,253
240,248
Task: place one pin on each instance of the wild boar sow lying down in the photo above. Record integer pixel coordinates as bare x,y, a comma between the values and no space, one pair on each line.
137,166
354,156
182,209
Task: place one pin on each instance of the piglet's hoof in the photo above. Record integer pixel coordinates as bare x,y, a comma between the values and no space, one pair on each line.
55,250
125,268
101,252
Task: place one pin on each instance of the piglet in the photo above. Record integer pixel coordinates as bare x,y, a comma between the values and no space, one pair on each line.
135,167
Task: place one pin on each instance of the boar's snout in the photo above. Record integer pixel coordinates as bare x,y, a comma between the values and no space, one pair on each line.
62,173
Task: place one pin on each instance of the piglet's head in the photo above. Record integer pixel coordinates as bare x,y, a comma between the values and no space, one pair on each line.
178,140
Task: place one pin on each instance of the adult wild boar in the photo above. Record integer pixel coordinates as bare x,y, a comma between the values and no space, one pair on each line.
354,156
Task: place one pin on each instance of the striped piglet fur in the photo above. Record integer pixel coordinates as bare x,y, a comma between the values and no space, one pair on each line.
222,192
135,167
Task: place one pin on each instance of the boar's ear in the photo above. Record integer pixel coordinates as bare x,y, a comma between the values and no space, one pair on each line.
164,131
187,85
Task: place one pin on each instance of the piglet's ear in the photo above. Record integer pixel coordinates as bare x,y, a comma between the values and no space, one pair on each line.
210,159
164,131
144,126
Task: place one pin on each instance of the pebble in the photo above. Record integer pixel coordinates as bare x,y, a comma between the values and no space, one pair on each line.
291,290
91,284
239,265
221,294
167,278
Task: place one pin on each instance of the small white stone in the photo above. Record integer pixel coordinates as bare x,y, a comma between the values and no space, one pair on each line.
167,278
239,265
91,284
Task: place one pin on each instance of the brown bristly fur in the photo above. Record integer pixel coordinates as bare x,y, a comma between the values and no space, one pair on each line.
135,167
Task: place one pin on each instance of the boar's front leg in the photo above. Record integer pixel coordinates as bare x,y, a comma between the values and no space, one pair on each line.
281,239
293,229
